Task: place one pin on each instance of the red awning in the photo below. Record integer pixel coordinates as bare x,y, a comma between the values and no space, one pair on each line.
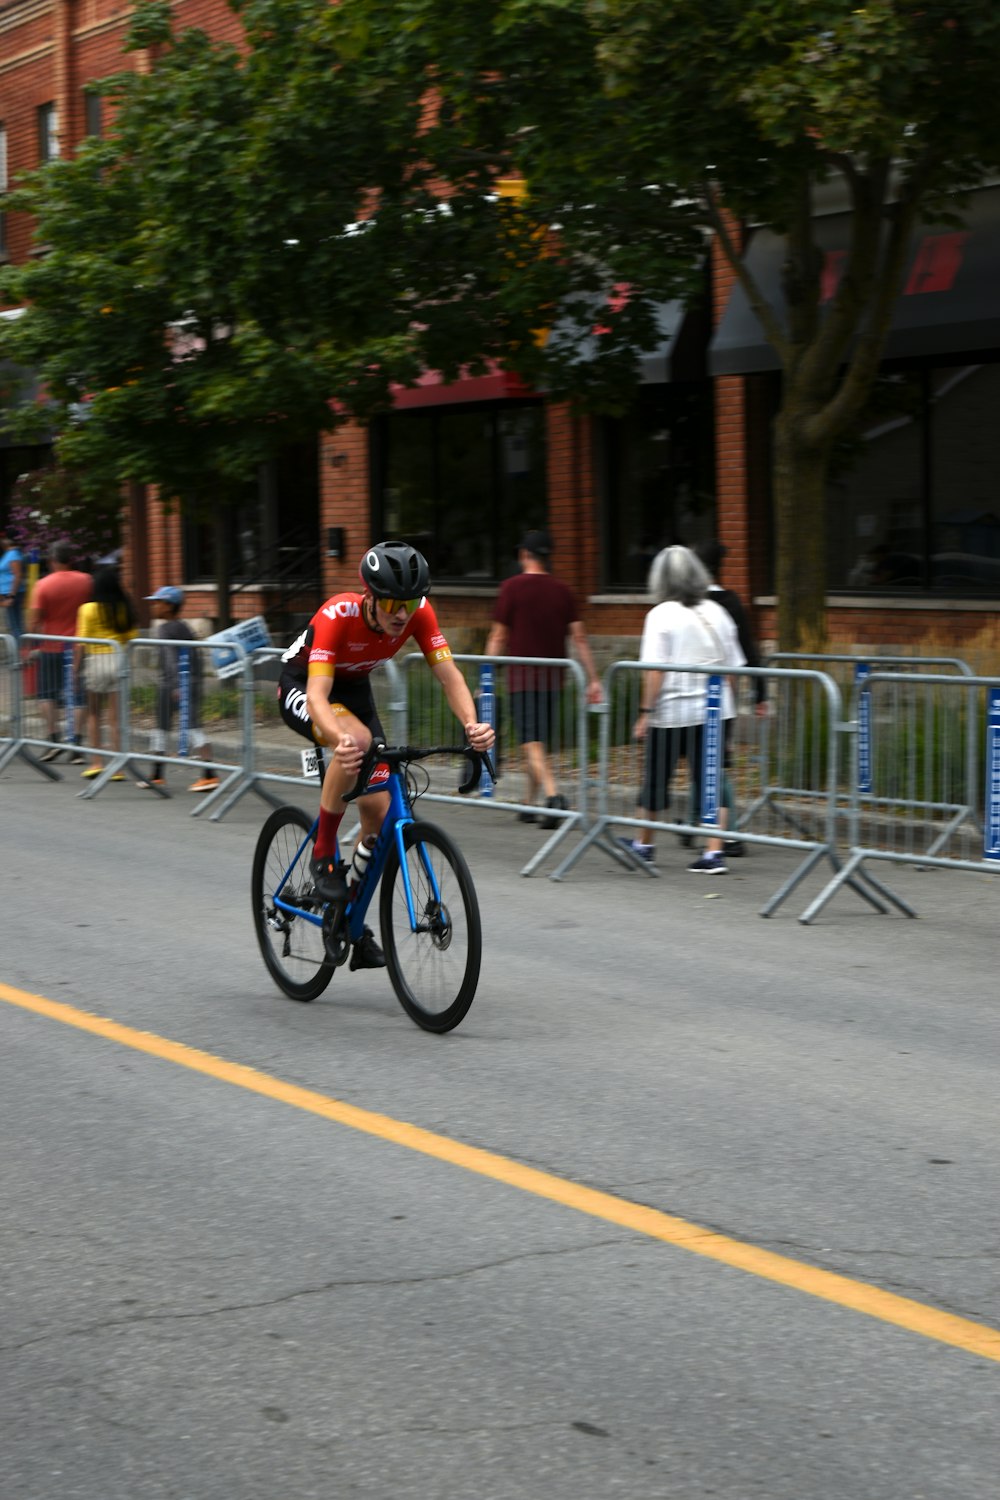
430,389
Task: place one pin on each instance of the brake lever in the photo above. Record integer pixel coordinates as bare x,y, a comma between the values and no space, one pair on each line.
367,766
477,759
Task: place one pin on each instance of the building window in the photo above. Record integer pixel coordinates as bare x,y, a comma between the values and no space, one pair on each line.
3,188
657,473
48,133
912,502
93,122
271,533
460,483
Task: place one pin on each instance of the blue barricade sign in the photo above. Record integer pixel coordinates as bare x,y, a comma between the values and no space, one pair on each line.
711,769
69,694
184,707
991,822
487,715
862,672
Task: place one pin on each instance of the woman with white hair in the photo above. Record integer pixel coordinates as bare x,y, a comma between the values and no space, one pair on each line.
686,628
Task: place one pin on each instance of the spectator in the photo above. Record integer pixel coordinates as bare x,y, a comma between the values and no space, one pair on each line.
11,584
55,603
685,627
167,604
534,615
712,554
109,616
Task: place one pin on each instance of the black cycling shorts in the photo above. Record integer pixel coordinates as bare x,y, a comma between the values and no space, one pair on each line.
352,694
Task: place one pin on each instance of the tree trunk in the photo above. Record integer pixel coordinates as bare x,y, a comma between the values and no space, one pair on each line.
800,514
223,565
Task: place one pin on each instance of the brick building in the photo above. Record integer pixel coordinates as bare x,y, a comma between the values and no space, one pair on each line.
913,516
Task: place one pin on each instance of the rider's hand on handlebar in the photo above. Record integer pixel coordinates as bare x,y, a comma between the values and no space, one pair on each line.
349,754
479,736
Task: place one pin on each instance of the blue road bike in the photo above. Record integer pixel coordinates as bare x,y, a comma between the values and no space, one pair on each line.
428,910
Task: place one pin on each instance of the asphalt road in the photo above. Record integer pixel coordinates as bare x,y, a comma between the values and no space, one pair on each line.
210,1291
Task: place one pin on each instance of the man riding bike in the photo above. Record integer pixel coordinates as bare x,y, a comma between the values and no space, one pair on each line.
325,694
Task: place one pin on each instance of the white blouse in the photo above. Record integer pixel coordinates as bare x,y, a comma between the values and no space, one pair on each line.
703,635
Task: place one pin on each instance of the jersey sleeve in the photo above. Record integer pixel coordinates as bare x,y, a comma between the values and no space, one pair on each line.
429,637
321,659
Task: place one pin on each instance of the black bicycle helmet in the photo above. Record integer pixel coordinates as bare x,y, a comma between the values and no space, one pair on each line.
395,570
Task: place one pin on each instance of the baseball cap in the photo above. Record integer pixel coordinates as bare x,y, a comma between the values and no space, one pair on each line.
538,542
167,595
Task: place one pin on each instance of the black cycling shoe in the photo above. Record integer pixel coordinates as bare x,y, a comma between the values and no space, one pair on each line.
366,953
329,878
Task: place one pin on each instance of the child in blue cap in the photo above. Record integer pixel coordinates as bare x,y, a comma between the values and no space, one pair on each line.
167,604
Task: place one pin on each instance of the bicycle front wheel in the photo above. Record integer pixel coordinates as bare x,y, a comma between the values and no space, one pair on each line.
434,960
292,948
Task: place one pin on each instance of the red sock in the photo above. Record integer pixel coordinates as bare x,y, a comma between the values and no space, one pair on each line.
326,834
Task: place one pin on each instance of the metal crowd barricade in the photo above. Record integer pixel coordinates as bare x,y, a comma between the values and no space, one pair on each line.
430,721
207,724
12,715
912,796
813,827
35,687
785,795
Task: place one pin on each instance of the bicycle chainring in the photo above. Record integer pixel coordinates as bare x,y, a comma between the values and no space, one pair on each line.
336,938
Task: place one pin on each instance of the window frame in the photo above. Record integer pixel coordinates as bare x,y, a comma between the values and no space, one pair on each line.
47,122
380,449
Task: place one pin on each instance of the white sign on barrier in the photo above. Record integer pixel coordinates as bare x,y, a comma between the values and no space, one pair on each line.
251,634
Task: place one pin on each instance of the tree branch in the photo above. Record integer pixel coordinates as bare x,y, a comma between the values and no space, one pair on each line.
838,413
840,324
763,310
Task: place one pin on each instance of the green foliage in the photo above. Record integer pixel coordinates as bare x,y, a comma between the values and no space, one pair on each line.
49,506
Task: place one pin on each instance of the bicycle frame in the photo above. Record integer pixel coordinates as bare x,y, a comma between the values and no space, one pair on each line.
397,818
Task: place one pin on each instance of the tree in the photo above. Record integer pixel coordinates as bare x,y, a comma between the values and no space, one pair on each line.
624,115
178,340
262,244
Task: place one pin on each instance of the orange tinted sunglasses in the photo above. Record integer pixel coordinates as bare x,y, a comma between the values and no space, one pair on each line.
393,606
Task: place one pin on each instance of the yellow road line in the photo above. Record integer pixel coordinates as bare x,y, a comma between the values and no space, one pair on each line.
946,1328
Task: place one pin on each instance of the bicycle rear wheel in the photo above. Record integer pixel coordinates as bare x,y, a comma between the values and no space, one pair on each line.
435,969
292,948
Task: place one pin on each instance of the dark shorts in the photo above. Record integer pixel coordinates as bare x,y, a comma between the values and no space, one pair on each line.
664,748
536,715
51,676
354,696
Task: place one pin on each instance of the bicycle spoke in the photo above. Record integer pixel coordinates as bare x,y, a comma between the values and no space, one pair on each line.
292,947
434,961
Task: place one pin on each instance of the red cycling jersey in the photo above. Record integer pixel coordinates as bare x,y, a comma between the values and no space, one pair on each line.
338,639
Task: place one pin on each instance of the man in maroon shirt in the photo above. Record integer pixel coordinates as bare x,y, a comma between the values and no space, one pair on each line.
54,604
534,615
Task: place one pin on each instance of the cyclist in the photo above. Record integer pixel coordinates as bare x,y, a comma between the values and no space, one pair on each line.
325,694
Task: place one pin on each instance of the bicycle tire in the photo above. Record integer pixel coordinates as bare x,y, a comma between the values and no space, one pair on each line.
434,972
294,952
